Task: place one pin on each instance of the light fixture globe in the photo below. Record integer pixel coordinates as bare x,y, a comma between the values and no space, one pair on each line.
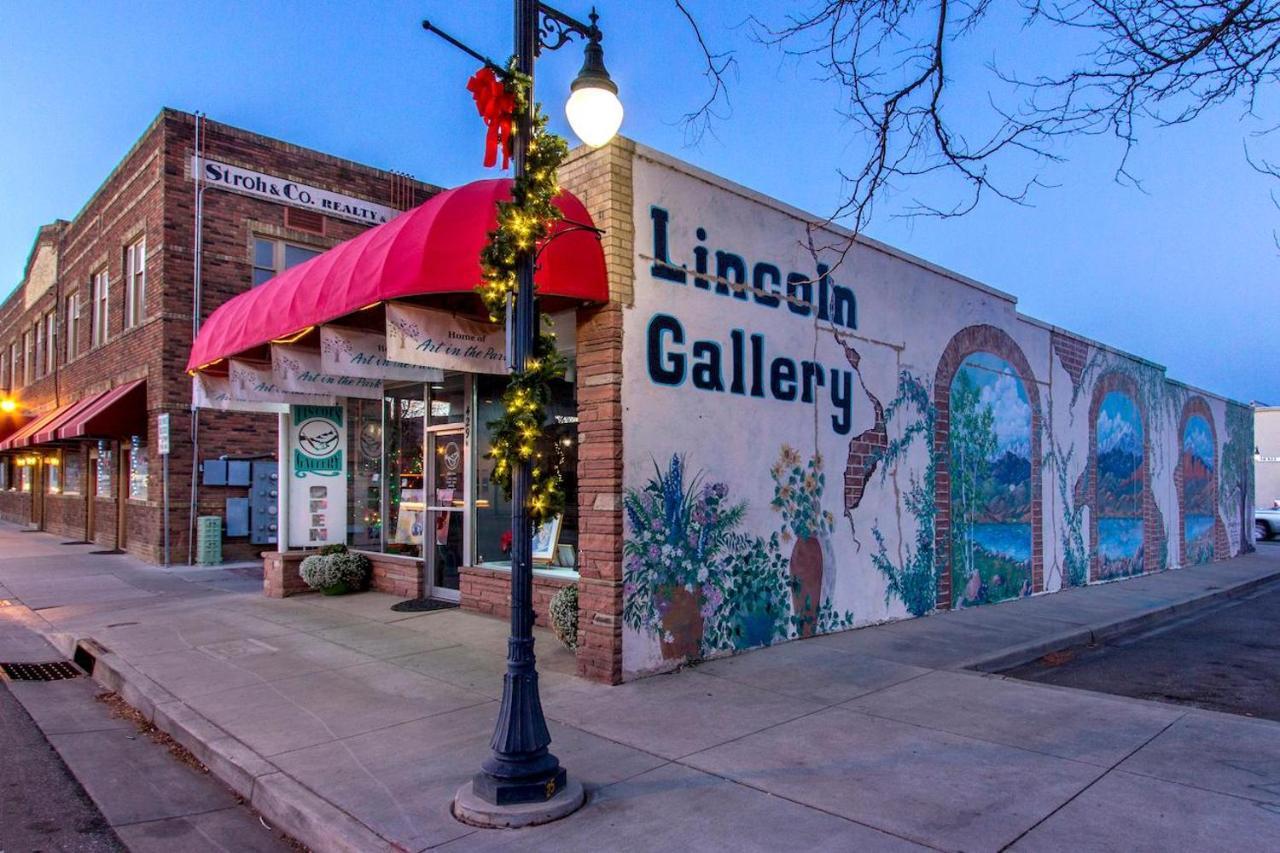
593,109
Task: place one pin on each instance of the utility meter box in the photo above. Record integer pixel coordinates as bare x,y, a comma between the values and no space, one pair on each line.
264,495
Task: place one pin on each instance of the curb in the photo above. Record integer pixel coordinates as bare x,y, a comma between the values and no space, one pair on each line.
1090,634
283,801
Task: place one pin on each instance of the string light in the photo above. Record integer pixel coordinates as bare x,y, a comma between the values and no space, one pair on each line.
523,223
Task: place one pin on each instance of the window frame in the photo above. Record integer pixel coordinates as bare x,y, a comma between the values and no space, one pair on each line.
279,247
100,313
38,360
72,325
135,282
51,340
28,365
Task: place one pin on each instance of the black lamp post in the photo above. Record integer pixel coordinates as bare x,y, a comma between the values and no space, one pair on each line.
521,769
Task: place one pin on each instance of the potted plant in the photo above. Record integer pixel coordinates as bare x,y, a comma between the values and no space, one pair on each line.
760,580
672,577
336,571
797,495
564,616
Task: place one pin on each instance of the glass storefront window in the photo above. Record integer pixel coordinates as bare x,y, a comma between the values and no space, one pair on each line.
138,468
449,399
24,478
492,510
106,469
53,474
72,473
364,488
403,431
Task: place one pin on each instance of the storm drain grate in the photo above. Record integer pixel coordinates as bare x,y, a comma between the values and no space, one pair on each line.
56,671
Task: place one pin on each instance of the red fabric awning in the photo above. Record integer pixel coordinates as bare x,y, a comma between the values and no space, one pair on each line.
117,413
431,249
22,437
49,432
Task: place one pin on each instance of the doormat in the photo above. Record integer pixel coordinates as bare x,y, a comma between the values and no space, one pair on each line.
112,551
421,605
78,542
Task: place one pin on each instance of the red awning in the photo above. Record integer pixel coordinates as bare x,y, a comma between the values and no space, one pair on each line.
116,413
49,432
22,437
431,249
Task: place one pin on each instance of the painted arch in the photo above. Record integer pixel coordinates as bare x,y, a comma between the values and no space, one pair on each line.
1123,536
1197,484
988,538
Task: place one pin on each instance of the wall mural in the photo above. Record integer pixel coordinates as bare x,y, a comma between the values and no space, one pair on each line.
1198,489
813,443
1120,487
990,447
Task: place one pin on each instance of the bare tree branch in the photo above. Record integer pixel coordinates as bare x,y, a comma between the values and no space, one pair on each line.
716,107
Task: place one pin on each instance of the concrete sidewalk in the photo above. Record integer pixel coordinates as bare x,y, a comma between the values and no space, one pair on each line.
350,726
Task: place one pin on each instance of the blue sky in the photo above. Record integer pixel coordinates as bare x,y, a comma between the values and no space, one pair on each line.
1181,272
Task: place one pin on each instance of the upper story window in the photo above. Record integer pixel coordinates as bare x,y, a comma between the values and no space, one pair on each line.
135,283
28,359
5,385
72,325
13,365
50,340
272,257
38,359
101,285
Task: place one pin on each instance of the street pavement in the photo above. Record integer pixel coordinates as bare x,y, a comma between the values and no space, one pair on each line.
1225,658
356,724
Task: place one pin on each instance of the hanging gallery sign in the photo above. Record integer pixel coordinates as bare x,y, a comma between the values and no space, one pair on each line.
256,383
214,392
317,475
360,352
441,339
295,194
299,369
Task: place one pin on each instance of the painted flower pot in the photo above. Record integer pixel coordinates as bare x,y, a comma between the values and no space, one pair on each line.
339,588
681,623
806,589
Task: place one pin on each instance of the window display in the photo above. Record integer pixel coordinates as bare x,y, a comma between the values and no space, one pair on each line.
106,468
137,471
404,419
72,473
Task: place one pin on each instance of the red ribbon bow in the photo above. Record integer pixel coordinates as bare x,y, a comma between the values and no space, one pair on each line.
496,106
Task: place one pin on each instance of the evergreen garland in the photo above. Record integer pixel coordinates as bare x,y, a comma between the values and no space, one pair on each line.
520,433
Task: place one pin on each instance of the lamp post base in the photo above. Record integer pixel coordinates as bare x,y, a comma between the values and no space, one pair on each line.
470,808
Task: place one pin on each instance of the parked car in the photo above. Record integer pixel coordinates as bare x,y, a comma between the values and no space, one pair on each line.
1266,523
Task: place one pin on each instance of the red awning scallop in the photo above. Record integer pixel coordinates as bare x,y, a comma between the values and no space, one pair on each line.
432,249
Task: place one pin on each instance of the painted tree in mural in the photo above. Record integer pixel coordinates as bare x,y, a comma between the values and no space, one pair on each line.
914,581
990,446
1235,474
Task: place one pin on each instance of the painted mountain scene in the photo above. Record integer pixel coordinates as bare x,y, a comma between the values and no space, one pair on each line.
1120,486
990,455
1197,489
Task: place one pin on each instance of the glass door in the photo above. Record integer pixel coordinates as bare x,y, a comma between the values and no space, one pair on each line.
446,508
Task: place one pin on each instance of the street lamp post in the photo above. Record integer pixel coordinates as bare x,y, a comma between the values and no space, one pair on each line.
522,782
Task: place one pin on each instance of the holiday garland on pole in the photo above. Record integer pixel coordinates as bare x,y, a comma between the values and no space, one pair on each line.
520,434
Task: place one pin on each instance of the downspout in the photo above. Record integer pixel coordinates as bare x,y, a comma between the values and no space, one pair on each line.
197,172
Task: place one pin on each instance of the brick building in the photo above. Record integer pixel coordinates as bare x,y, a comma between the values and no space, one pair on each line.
94,340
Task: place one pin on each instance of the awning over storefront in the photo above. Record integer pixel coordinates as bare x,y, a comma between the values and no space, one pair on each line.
118,413
22,436
431,249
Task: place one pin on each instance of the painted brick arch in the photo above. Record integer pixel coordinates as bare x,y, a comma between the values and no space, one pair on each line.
1152,520
1197,405
970,340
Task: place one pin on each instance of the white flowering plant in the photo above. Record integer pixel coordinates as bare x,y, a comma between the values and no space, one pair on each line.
326,571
